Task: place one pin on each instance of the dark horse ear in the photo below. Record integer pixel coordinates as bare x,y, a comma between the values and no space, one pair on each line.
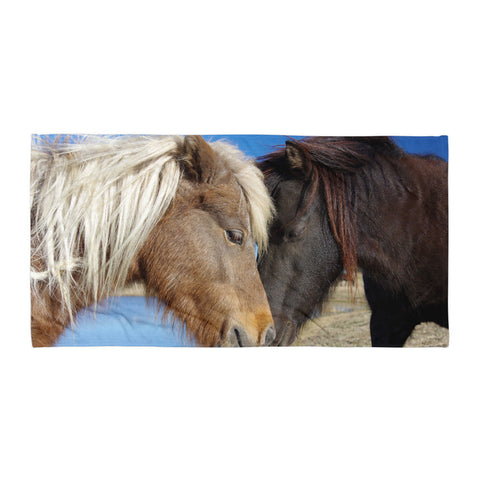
298,158
199,158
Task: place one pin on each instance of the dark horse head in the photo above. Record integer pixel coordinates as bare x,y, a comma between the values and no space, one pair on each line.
345,203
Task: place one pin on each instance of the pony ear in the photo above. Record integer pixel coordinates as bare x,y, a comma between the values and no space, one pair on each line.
297,158
199,158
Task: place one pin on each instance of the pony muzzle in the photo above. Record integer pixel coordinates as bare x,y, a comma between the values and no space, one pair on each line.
259,331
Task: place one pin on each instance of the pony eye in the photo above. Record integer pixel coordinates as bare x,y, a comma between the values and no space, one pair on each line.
234,236
296,232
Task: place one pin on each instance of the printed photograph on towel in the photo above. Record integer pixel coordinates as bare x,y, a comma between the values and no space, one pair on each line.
239,240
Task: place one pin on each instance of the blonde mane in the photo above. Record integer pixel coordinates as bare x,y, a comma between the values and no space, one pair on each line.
95,201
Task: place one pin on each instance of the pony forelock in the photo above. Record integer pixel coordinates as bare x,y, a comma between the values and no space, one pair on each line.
250,179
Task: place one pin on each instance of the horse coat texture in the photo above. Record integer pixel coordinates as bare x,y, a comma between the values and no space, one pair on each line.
143,321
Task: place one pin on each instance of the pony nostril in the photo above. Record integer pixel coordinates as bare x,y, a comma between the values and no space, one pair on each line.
269,336
238,337
234,337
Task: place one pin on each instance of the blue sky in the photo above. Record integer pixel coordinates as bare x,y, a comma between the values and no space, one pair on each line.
257,145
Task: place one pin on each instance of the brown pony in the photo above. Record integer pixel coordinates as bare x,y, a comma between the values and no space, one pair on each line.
178,214
345,203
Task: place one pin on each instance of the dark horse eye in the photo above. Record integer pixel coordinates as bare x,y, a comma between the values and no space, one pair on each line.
234,236
296,232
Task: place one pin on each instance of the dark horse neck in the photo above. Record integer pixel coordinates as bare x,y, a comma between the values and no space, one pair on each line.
402,223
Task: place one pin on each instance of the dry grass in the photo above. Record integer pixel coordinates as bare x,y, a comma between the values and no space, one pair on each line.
344,323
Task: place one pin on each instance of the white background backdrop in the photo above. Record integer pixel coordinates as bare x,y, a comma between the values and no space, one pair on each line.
297,68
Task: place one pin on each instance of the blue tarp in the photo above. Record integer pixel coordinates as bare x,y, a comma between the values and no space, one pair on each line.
124,321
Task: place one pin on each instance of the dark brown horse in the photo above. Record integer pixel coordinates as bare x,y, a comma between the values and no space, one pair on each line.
345,203
180,215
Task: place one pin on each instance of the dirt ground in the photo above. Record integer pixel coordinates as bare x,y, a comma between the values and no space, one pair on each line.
344,323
